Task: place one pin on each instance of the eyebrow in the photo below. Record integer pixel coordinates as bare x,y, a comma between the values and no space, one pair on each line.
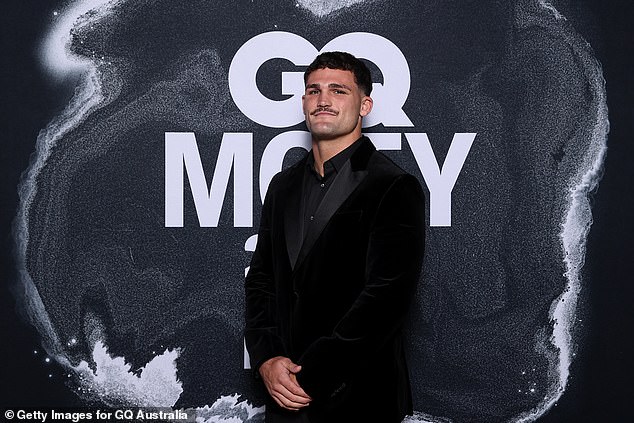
332,85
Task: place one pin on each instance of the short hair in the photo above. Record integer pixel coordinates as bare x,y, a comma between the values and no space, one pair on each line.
343,61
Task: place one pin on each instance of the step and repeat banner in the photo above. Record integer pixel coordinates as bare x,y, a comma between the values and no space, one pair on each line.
139,210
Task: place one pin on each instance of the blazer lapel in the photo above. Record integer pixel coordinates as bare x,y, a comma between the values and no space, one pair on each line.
346,181
293,221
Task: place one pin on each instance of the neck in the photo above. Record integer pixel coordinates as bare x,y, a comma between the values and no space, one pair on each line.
324,150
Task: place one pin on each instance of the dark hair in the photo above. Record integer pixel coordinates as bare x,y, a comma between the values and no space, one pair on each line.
343,61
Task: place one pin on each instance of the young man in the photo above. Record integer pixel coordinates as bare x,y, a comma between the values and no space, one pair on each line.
339,255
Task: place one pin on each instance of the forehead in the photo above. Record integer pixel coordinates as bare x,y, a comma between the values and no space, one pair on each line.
328,76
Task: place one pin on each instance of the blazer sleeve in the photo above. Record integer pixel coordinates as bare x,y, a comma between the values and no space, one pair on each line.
261,325
393,265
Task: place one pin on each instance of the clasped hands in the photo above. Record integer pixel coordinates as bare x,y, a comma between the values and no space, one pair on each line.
279,376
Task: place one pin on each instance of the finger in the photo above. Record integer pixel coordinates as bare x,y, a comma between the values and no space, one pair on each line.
289,390
292,367
292,397
286,403
296,388
280,401
288,379
297,392
282,391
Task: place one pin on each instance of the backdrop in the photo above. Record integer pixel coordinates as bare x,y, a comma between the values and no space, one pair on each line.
139,138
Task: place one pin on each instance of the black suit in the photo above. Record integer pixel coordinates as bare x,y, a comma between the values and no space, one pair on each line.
336,304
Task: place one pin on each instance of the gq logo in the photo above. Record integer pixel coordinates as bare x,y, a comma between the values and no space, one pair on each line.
389,97
236,150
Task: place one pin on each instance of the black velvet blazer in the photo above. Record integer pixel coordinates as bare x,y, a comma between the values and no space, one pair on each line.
336,304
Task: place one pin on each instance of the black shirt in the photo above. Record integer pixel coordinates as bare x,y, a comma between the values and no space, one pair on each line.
316,186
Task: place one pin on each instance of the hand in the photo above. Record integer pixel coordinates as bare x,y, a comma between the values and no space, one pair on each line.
279,378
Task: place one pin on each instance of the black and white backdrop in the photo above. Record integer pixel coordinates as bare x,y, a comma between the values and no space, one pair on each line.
139,137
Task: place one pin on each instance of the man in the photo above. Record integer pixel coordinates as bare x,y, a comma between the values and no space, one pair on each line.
338,257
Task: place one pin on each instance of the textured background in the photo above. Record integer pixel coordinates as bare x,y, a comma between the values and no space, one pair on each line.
102,196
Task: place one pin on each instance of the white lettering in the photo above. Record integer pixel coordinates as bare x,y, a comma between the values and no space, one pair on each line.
440,183
390,96
249,246
386,141
242,78
273,156
181,153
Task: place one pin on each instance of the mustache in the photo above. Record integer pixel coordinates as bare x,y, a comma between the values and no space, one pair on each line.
323,109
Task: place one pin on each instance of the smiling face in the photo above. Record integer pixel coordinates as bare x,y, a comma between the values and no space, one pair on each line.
333,105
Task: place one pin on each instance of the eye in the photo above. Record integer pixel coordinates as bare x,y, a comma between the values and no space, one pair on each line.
340,92
312,91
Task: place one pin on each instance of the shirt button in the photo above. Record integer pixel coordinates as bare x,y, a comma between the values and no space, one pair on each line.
322,185
312,218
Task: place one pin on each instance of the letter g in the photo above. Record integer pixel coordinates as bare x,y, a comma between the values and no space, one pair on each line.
242,78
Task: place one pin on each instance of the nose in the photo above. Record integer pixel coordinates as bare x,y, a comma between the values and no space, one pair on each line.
324,99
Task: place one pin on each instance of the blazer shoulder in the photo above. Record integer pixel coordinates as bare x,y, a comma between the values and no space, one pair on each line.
285,176
382,164
386,176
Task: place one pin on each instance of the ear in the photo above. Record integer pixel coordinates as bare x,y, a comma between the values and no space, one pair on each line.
366,105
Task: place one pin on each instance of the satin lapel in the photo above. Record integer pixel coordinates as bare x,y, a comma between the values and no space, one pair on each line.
293,221
345,182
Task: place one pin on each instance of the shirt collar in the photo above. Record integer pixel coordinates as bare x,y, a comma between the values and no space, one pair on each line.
339,159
